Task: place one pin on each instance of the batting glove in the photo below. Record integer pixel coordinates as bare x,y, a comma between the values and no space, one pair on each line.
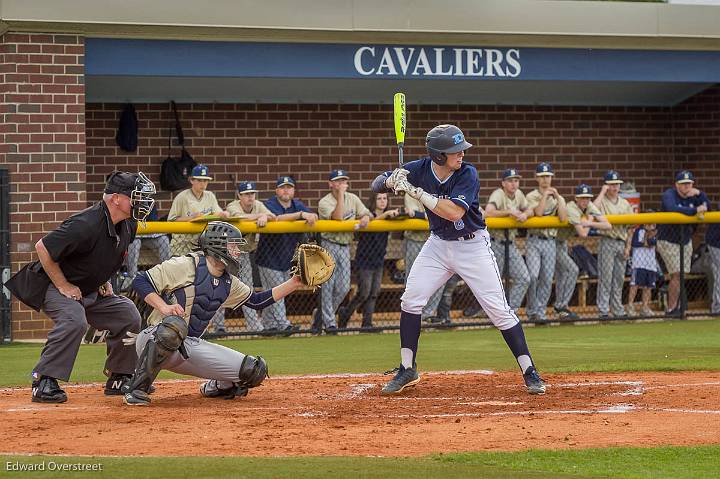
398,174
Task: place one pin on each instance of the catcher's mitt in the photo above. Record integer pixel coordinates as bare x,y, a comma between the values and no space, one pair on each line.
313,264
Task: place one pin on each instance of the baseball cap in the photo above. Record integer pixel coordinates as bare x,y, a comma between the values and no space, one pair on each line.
338,175
201,172
583,191
685,176
121,182
247,187
510,173
285,180
612,177
544,169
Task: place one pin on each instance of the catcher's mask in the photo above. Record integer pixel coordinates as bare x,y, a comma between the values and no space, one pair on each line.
223,242
444,139
137,187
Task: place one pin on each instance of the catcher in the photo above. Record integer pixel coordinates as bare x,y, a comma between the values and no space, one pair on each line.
185,293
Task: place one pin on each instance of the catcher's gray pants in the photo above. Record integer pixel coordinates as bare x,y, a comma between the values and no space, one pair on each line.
518,271
715,264
333,292
117,314
161,244
611,263
412,250
274,316
541,266
251,316
566,274
205,360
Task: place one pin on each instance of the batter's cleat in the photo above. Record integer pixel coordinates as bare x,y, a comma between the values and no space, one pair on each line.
210,389
136,398
404,378
533,381
47,390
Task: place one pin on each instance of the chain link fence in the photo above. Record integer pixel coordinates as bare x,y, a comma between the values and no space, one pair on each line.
547,280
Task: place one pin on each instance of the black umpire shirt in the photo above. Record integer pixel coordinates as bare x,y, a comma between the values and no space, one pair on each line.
89,249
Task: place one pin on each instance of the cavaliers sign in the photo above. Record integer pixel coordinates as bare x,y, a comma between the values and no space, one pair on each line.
439,62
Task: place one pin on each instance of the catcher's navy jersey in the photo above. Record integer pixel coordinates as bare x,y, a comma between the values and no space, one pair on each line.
462,188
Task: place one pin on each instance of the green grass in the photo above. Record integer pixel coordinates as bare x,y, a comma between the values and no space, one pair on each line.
635,463
662,346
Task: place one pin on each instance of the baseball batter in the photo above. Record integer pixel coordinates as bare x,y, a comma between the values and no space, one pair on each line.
459,243
185,293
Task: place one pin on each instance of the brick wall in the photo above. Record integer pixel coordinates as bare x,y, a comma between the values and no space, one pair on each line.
259,142
42,142
696,132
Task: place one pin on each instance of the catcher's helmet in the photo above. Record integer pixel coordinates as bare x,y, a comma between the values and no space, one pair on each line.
223,242
444,139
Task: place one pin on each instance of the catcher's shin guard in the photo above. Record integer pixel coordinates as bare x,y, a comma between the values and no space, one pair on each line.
167,338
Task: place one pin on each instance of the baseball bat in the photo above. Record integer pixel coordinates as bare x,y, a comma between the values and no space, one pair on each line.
400,122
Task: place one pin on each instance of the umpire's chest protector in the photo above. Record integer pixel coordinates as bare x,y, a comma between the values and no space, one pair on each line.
209,294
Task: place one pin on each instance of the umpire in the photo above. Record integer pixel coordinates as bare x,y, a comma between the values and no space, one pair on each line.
70,283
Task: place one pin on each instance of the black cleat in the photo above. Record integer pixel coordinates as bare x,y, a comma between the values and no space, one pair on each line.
404,378
47,390
210,389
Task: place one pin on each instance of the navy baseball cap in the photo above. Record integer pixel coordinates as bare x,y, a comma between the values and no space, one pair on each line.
247,187
285,180
544,169
684,176
583,191
201,172
510,173
338,175
612,177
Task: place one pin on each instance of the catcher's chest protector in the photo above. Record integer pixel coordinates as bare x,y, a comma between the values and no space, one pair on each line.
210,294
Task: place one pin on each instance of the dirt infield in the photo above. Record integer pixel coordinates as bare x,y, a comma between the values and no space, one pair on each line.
344,415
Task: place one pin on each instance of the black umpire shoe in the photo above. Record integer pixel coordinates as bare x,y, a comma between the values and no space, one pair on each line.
115,383
46,389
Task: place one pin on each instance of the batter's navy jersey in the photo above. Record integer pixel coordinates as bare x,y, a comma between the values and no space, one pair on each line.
462,187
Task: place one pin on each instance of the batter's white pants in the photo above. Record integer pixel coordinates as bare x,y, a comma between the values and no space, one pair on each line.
474,261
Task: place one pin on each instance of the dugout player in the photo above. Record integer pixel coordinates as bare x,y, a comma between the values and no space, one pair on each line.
459,243
70,283
185,293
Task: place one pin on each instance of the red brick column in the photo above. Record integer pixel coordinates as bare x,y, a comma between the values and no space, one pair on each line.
42,142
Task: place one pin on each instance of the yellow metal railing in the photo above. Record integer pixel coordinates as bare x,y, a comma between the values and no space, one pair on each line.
419,225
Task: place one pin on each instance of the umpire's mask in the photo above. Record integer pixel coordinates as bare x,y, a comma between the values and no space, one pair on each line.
137,187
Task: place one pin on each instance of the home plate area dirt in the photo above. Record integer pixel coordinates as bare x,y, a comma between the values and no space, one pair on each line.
345,415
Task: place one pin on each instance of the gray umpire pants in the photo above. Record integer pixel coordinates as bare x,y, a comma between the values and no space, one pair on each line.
715,265
161,244
205,360
116,314
541,266
517,270
412,250
275,315
566,274
333,292
611,264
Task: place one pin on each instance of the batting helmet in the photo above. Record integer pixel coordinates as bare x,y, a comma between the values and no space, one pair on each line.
223,242
444,139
